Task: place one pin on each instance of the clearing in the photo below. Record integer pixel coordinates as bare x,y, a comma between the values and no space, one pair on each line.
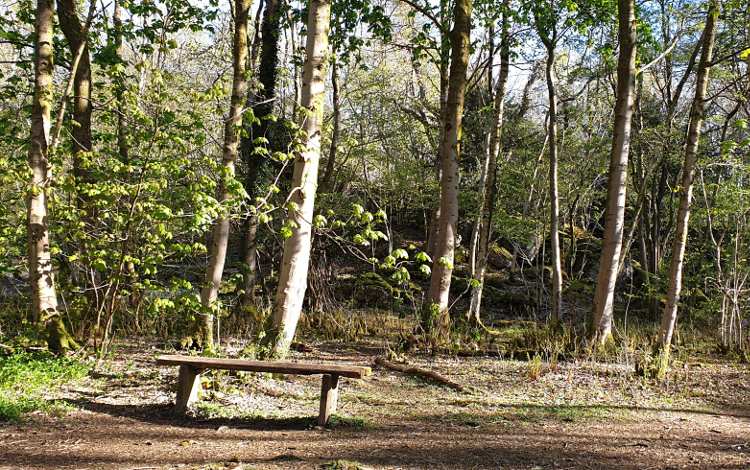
520,415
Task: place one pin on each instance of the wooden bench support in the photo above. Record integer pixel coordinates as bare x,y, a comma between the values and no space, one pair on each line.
188,385
329,395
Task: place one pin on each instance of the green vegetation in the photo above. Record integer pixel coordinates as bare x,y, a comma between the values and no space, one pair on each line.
342,465
29,381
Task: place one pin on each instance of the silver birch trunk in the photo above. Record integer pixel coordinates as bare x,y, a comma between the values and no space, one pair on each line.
296,258
41,275
556,300
614,222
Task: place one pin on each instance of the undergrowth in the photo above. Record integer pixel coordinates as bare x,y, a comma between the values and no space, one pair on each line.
26,381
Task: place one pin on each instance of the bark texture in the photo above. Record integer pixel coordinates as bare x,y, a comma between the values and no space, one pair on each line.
442,268
41,276
614,222
232,126
296,258
669,316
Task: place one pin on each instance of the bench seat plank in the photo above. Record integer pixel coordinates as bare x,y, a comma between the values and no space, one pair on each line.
279,367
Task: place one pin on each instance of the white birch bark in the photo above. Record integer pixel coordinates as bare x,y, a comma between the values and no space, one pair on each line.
41,276
296,258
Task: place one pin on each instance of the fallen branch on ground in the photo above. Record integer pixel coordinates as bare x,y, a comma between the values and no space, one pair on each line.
419,372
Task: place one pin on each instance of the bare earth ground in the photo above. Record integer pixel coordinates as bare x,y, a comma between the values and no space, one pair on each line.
580,415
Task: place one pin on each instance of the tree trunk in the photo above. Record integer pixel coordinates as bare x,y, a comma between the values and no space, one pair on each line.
556,300
296,257
41,275
474,241
335,134
75,35
233,124
669,316
614,222
256,160
442,267
489,192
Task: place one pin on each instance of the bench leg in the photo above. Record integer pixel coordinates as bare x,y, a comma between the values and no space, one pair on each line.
188,385
329,394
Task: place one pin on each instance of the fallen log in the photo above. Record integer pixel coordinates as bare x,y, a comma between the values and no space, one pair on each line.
419,372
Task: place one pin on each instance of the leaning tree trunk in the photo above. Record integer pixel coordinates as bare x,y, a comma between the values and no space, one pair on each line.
41,276
256,160
436,307
232,127
669,316
614,223
489,191
296,259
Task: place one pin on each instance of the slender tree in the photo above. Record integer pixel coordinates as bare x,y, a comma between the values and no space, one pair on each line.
232,126
489,191
449,151
697,110
546,25
614,222
296,258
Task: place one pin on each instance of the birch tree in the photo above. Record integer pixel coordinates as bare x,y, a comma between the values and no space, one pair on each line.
614,223
41,273
545,20
296,258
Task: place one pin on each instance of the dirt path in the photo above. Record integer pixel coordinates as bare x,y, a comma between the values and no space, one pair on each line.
577,416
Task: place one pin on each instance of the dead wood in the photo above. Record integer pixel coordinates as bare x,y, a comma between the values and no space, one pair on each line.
419,372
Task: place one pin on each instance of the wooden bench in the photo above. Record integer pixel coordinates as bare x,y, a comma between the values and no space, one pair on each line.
191,367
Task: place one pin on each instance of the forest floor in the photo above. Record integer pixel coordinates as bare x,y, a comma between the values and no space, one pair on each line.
573,415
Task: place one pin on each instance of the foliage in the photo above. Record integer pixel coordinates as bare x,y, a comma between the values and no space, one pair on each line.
28,380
